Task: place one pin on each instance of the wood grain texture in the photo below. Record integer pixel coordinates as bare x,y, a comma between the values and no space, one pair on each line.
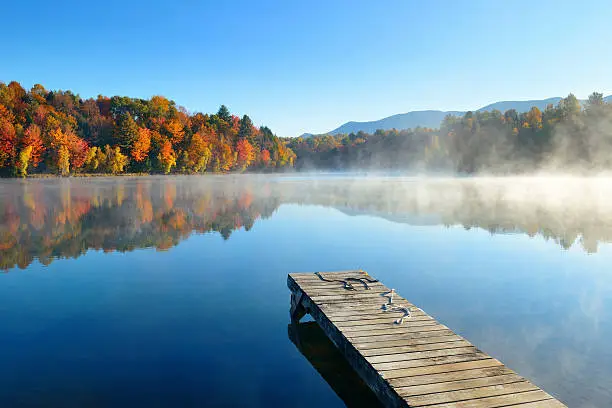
418,363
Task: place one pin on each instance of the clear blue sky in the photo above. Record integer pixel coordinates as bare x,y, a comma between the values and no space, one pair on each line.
300,66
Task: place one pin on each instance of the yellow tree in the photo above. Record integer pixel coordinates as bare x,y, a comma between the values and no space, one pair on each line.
115,160
23,162
198,153
167,157
91,160
63,160
226,157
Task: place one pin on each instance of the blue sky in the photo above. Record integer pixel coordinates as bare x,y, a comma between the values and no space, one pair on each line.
300,66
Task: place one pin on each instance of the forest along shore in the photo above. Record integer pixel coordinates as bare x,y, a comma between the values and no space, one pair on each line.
58,132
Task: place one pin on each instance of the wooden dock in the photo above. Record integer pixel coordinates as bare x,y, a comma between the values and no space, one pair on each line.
417,362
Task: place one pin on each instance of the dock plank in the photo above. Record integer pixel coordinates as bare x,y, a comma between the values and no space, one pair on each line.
367,320
368,344
384,324
464,384
441,368
417,363
512,399
411,348
415,355
416,333
470,394
442,378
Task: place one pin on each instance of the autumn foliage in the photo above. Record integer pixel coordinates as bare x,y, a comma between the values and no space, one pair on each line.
58,132
43,223
142,145
246,153
571,136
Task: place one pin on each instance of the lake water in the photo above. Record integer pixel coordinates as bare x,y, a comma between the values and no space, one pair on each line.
166,292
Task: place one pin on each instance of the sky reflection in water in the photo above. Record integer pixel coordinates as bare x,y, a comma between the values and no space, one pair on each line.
172,291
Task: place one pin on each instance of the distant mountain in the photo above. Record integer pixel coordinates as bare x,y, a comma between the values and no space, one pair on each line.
432,118
521,106
429,118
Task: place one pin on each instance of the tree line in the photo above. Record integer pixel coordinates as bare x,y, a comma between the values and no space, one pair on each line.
569,136
58,132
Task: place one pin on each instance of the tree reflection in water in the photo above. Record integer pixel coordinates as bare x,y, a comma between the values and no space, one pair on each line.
63,218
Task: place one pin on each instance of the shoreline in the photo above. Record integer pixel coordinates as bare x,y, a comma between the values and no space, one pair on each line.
96,175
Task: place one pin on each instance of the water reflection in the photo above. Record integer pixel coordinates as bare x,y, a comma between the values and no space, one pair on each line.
47,219
171,325
60,219
314,345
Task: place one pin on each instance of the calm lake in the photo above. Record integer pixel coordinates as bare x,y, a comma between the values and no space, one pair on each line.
171,291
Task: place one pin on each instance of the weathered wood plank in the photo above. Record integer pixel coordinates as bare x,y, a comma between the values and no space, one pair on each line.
379,294
551,403
458,385
356,308
429,361
450,376
393,334
391,341
418,363
339,286
390,351
391,327
305,278
499,401
379,318
415,355
470,394
322,291
351,297
336,274
364,317
366,301
441,368
340,313
388,318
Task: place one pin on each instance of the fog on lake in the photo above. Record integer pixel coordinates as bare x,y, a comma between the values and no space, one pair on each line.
169,290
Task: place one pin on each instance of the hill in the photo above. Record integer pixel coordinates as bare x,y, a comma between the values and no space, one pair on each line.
428,118
521,106
432,118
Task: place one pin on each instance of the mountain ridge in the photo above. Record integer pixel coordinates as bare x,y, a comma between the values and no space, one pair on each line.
432,118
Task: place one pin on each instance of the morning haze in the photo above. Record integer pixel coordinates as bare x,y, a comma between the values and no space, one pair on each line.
157,186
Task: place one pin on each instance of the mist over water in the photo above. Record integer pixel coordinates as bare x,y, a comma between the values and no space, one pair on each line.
40,216
131,284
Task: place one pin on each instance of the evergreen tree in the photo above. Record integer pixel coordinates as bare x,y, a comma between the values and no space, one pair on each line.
246,128
126,132
224,114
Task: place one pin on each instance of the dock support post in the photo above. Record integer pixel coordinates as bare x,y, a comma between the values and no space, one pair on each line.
297,310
